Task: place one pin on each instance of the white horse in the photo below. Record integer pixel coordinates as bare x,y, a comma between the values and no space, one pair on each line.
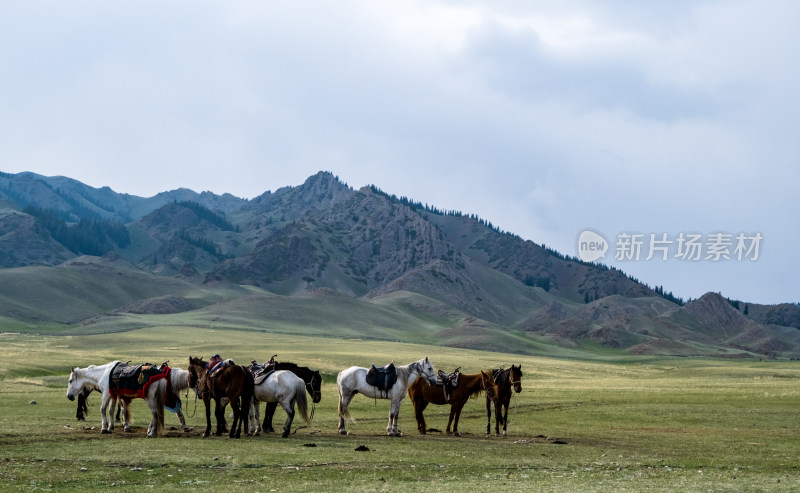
354,380
286,388
98,376
178,380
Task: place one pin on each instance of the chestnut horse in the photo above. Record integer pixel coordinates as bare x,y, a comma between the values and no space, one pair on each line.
504,381
423,393
233,383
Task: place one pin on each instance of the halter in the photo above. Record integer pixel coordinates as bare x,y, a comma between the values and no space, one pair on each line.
514,382
425,373
310,388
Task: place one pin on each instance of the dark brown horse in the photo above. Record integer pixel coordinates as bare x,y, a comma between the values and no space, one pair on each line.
83,406
313,381
233,383
504,381
423,393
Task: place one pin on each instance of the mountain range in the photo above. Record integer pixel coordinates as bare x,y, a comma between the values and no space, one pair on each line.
326,259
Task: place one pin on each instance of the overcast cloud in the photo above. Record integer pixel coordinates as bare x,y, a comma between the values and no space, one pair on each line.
546,118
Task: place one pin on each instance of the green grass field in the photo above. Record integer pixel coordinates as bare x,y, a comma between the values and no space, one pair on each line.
652,425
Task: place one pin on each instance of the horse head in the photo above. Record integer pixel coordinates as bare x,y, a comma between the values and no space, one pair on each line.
196,370
75,383
316,387
425,369
516,378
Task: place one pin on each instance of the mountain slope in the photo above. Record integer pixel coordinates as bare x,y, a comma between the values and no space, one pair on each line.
455,278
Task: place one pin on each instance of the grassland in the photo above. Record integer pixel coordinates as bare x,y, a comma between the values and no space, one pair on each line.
648,425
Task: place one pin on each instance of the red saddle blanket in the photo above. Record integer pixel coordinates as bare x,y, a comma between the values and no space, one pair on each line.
135,380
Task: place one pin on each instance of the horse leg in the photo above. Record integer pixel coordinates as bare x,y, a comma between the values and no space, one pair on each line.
236,427
207,402
505,418
255,425
104,428
156,404
419,407
457,417
455,414
124,409
498,417
219,413
450,419
344,401
394,413
269,412
182,419
488,416
287,426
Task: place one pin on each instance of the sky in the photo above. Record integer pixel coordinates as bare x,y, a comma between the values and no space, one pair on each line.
651,125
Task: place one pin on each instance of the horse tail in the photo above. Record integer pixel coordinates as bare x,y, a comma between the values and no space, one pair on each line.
302,400
344,412
247,399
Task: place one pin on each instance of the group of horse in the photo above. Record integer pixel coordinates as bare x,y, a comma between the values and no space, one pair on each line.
286,384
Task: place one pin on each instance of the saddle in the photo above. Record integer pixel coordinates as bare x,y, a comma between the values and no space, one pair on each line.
216,369
133,380
383,378
448,382
261,372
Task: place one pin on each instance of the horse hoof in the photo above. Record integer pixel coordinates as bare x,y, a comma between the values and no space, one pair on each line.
105,432
188,429
343,432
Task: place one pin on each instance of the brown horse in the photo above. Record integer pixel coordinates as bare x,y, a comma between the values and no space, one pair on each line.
504,381
233,383
423,393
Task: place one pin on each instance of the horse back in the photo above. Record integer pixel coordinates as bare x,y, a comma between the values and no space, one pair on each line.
420,389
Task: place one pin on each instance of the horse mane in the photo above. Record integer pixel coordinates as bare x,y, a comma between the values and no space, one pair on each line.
197,361
477,392
288,365
178,377
501,376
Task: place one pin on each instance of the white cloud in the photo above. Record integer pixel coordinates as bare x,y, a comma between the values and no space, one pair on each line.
543,117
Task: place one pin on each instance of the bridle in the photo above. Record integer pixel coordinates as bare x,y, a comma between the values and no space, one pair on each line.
310,389
422,372
514,383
